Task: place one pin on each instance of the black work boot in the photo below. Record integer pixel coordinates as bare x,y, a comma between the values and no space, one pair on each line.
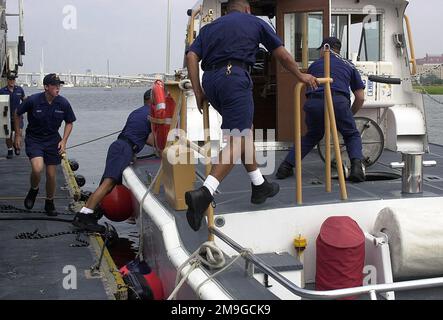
50,208
285,170
198,202
262,192
10,154
30,198
357,171
87,222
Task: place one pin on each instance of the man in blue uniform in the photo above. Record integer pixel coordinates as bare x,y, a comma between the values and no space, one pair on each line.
227,48
44,146
135,134
345,76
16,97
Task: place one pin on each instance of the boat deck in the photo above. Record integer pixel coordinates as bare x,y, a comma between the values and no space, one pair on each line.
234,196
33,269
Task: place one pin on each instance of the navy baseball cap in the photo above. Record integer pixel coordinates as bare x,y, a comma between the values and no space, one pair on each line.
52,79
334,43
12,76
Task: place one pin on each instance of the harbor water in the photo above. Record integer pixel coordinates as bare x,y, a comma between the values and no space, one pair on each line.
100,112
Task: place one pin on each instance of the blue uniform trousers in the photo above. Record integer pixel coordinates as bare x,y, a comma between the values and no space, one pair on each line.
46,147
119,157
315,121
231,95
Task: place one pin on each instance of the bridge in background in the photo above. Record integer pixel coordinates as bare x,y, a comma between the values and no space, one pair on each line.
89,79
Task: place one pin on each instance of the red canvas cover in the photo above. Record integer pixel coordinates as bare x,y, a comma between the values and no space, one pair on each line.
340,254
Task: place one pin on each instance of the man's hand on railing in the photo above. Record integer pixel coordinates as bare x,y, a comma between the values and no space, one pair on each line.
309,80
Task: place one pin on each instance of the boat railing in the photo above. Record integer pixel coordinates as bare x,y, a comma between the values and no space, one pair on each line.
371,290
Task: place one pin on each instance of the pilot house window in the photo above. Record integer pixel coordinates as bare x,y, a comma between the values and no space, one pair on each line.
303,35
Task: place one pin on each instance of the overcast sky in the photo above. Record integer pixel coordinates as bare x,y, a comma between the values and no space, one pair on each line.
132,33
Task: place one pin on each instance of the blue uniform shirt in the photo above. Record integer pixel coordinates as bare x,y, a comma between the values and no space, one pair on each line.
44,119
15,97
344,76
235,36
138,127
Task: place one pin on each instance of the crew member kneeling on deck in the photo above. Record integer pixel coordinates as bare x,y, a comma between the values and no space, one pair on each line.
135,134
345,75
44,146
227,48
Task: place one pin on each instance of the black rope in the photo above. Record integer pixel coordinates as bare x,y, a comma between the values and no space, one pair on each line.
93,140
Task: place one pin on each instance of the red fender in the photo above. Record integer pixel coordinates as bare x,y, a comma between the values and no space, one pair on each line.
162,111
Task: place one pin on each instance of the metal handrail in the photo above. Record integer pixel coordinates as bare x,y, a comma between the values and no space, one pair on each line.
328,294
413,60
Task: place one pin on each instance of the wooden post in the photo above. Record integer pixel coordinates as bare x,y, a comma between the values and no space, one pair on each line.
330,105
328,178
210,211
177,95
297,142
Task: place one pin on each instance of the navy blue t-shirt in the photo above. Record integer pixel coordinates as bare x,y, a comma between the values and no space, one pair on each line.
235,36
344,76
138,127
44,119
15,97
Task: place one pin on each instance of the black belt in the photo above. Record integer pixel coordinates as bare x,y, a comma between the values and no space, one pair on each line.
134,147
321,95
234,63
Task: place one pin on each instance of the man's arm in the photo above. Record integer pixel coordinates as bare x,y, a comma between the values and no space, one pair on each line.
359,100
18,131
192,60
291,65
66,134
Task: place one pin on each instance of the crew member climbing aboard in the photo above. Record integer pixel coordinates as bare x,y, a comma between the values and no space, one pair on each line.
227,48
135,134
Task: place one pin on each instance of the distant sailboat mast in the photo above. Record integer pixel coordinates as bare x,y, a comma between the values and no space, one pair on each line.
168,39
109,80
108,86
42,64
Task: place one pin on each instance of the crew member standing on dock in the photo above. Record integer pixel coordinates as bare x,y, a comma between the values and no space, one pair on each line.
44,146
16,97
135,134
345,76
227,48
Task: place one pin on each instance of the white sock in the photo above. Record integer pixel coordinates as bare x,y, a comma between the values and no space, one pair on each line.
256,177
212,184
10,149
86,210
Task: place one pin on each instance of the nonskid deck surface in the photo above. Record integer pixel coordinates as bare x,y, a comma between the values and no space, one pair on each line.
34,269
235,191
